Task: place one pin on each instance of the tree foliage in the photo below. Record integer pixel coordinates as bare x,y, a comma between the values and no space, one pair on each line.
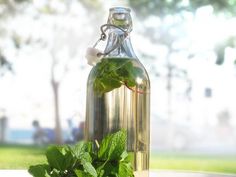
167,7
163,8
4,65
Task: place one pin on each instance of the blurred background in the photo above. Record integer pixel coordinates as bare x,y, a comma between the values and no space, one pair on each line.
188,48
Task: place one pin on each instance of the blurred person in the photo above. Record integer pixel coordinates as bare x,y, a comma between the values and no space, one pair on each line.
40,135
71,127
70,138
224,127
3,125
78,133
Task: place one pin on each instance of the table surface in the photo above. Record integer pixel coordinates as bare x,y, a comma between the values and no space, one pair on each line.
24,173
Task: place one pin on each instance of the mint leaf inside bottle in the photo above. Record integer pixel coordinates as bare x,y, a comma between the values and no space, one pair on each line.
112,73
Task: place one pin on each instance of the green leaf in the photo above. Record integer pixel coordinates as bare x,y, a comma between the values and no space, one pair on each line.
113,146
124,156
111,159
125,166
130,83
86,157
59,157
88,168
81,148
111,73
39,170
81,152
109,169
55,158
125,169
56,173
80,173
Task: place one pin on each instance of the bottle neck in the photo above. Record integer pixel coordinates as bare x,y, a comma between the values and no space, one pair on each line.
119,45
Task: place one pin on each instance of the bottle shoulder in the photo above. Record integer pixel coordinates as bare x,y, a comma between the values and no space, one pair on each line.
119,66
112,73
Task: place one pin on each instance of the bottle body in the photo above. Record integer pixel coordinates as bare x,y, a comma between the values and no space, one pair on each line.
122,108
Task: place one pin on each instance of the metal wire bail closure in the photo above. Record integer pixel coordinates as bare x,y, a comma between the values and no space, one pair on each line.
103,36
93,55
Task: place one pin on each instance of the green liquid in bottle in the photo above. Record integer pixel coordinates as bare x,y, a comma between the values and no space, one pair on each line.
118,96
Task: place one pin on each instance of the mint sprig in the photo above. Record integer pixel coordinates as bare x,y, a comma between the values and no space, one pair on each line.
82,160
112,73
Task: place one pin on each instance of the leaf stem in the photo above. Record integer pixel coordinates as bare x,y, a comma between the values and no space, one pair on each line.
97,144
134,90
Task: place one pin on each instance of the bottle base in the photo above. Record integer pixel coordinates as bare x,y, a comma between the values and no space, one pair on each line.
141,173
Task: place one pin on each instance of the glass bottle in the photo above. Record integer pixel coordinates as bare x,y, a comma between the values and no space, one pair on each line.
118,93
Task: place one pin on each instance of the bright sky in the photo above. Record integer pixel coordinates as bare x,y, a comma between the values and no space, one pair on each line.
26,95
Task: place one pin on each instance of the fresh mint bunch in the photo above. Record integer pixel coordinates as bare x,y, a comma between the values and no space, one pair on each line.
81,160
112,73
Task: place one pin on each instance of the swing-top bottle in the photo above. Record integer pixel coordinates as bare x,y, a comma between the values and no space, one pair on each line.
118,93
